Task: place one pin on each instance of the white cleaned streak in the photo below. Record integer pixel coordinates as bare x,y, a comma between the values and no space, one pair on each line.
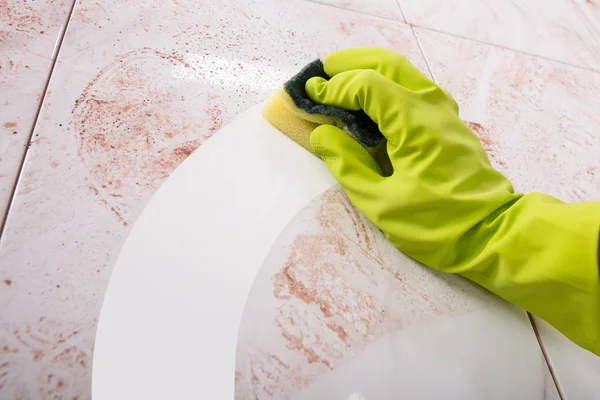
217,71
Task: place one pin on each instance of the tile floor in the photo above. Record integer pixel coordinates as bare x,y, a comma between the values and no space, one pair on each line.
101,99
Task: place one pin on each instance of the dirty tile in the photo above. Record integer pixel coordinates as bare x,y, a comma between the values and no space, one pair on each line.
337,312
137,87
29,31
381,8
563,30
528,113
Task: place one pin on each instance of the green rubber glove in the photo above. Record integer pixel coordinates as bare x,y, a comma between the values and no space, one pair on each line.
446,206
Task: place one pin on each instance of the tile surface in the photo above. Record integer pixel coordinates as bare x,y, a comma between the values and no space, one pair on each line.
137,87
29,31
336,311
564,30
527,113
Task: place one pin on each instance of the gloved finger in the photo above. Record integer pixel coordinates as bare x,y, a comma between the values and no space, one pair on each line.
350,163
392,65
363,89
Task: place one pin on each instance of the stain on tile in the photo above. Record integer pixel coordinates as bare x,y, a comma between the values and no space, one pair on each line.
339,286
91,13
18,18
481,134
591,171
564,79
577,194
214,113
6,64
261,378
133,128
475,127
114,210
347,28
61,363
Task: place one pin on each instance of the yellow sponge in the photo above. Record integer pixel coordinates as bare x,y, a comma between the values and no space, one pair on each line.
294,122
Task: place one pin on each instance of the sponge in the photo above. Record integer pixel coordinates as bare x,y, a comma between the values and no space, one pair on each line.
292,112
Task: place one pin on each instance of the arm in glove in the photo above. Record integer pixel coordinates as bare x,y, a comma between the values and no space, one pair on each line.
446,206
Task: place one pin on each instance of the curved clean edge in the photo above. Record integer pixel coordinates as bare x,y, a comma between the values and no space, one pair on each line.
169,322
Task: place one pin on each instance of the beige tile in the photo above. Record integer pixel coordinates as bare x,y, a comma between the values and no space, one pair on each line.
137,87
538,120
29,31
563,30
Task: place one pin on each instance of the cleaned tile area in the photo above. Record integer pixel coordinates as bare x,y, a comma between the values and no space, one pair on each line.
29,34
138,86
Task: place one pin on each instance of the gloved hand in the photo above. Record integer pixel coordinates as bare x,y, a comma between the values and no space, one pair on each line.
446,206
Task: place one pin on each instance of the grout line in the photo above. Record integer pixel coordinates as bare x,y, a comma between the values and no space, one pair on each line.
55,52
356,12
423,54
421,50
402,12
590,69
546,358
